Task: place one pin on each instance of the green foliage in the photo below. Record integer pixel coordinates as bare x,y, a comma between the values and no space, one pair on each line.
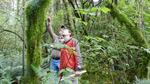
96,59
44,75
57,20
111,61
5,81
54,45
105,9
65,71
10,66
92,11
142,82
110,54
122,59
134,31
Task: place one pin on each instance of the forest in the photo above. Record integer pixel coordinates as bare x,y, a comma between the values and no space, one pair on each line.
114,38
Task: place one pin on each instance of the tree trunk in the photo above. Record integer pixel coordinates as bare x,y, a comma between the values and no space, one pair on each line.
35,15
135,32
23,36
140,6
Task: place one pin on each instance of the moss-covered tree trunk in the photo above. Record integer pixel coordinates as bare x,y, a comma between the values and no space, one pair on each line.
135,32
35,15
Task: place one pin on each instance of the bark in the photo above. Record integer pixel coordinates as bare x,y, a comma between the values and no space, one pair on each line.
35,16
23,35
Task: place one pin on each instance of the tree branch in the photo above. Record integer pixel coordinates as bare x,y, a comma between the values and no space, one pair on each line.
99,3
5,30
132,28
71,3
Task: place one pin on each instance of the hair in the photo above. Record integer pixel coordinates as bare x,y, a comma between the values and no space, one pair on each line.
65,28
62,26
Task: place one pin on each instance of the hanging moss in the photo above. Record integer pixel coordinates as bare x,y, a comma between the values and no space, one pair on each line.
35,16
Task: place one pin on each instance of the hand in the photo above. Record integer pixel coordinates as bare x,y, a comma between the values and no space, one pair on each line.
49,19
77,74
79,68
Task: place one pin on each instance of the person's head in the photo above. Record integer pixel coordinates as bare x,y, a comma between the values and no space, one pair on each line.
66,34
61,30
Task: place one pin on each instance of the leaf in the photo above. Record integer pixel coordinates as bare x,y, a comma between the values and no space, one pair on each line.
94,9
114,57
122,3
147,50
132,47
64,71
104,9
36,69
54,45
83,11
92,14
85,23
147,17
111,61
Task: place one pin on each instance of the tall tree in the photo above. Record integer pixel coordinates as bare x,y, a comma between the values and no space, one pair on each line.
131,26
136,34
23,35
35,15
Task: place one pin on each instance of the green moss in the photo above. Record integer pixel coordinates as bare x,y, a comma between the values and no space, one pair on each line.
136,33
35,16
130,25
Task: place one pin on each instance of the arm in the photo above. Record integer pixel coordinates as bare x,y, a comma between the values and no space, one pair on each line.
50,30
79,57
